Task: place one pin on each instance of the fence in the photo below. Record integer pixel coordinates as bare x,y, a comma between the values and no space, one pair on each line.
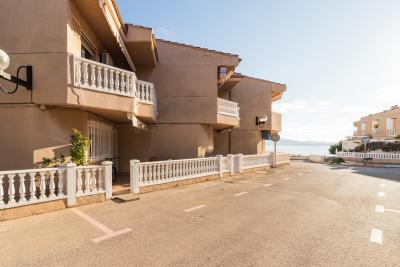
373,155
26,187
160,172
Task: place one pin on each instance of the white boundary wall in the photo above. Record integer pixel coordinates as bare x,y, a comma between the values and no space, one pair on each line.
161,172
27,187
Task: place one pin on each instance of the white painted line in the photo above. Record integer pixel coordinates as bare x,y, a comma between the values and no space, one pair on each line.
394,211
300,174
381,194
104,237
382,185
108,232
376,236
195,208
287,178
240,194
380,208
266,185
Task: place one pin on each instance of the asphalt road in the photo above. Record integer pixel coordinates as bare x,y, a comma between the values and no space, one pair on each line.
299,215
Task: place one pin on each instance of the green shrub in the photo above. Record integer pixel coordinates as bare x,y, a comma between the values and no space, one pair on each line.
79,147
51,162
332,148
379,145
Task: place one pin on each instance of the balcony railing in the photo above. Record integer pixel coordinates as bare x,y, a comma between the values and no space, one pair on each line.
229,108
391,132
375,131
100,77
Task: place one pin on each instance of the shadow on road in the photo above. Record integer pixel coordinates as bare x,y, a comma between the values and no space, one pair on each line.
381,173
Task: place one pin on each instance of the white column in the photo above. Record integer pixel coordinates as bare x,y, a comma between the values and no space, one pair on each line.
219,157
107,178
230,160
134,175
240,163
70,179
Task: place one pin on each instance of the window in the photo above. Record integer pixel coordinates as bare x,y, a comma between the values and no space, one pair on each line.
101,136
88,50
389,123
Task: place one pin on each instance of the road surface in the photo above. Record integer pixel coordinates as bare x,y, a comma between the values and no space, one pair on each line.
299,215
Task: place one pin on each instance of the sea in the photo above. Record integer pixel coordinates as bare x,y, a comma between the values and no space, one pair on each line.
299,149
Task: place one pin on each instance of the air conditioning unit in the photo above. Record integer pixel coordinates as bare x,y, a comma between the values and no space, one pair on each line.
106,59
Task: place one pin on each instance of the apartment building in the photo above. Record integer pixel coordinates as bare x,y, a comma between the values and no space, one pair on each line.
382,125
134,96
255,97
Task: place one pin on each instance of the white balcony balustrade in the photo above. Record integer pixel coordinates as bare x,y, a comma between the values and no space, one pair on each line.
391,132
104,78
228,108
375,131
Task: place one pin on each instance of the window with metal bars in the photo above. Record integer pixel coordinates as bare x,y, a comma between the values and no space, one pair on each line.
101,135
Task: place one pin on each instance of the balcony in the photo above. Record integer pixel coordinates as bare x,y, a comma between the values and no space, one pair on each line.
276,122
135,96
375,131
227,114
392,132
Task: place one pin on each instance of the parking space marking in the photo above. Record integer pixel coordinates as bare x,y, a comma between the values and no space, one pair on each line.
108,232
266,185
376,236
195,208
382,185
381,194
381,209
300,174
240,194
287,178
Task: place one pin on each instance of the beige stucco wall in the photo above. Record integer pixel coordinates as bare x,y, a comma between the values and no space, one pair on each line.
382,116
162,142
186,83
39,39
255,98
29,134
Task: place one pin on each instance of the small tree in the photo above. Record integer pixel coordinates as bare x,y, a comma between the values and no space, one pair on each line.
332,148
79,147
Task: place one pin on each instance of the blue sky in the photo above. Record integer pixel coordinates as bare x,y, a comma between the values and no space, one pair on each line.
340,59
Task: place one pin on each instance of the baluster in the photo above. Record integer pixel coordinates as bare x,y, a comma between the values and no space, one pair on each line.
123,82
1,191
146,174
132,85
112,88
158,172
22,189
11,189
42,186
78,73
99,78
85,74
52,185
139,91
93,180
105,79
87,181
117,81
101,179
60,183
32,186
150,173
92,75
79,182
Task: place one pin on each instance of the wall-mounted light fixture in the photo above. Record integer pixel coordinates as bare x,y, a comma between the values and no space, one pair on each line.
4,64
